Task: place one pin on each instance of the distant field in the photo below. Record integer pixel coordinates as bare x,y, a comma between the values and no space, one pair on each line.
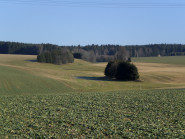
23,75
177,60
77,101
122,114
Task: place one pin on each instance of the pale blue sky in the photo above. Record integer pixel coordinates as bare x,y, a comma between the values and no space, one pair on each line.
73,22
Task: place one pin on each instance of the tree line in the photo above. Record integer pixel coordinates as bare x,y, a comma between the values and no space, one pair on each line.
96,53
104,53
26,48
59,57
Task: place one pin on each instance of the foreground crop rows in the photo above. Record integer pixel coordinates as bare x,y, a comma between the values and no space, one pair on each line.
132,114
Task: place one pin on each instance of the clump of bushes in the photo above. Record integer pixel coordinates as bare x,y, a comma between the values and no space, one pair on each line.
56,57
77,55
122,70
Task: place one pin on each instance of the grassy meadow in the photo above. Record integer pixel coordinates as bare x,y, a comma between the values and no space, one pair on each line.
39,100
177,60
22,75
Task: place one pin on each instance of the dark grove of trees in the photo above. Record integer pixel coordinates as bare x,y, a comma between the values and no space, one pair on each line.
25,49
122,70
96,53
56,57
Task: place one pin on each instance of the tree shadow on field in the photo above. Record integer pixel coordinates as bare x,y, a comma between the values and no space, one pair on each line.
32,60
96,78
102,79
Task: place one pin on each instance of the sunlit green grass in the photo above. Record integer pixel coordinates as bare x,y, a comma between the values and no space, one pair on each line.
178,60
15,82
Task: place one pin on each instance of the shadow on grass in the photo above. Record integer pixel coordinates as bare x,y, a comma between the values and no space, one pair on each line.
96,78
103,79
33,60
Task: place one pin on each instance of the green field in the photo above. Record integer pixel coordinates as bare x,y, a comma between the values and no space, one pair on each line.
178,60
77,101
123,114
22,75
20,83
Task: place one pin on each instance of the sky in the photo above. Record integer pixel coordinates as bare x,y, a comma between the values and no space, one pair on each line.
80,22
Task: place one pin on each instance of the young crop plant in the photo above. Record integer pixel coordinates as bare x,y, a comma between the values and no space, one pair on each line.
120,114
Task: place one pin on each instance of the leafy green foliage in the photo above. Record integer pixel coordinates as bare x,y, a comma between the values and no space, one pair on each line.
124,114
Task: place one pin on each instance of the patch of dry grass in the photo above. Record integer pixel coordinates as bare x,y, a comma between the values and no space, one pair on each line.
152,75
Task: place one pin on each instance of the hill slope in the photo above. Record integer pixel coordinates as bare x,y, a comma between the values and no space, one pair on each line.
22,74
49,101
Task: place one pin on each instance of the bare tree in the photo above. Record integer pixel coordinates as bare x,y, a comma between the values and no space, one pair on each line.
122,54
40,49
89,56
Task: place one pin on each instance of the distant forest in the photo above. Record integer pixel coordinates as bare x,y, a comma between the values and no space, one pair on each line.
96,53
59,57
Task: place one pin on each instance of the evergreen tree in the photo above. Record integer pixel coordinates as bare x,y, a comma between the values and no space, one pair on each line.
62,56
122,70
111,69
127,71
